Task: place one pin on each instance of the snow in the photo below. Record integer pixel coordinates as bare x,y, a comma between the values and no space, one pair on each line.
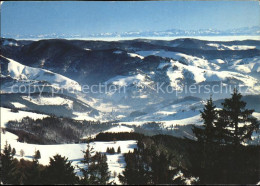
167,121
135,55
187,59
18,105
174,114
175,77
162,65
127,80
242,68
22,72
219,61
10,43
73,152
7,115
83,116
202,75
188,181
55,100
143,96
246,65
136,123
201,70
161,53
256,115
119,128
101,106
231,47
182,113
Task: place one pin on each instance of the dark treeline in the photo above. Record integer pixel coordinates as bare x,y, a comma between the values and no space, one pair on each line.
54,130
118,136
111,150
27,137
152,163
217,157
158,159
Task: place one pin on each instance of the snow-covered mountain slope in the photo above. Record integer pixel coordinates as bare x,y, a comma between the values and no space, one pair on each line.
199,75
27,75
187,59
201,70
127,80
231,47
51,104
180,112
246,65
177,71
40,88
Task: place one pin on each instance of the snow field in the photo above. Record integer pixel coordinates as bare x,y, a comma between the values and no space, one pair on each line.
7,115
127,80
231,47
74,152
41,100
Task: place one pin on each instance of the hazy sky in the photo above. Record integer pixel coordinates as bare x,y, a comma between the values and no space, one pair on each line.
96,17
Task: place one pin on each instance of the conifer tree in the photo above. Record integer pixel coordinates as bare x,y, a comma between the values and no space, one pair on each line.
95,170
60,171
118,150
21,152
103,169
7,165
221,132
20,173
13,152
35,173
37,155
209,116
161,173
113,150
240,122
87,161
99,169
135,171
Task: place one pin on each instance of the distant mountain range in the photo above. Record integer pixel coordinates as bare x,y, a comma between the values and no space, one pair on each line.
244,31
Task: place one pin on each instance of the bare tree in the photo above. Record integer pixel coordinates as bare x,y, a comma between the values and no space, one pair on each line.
21,152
